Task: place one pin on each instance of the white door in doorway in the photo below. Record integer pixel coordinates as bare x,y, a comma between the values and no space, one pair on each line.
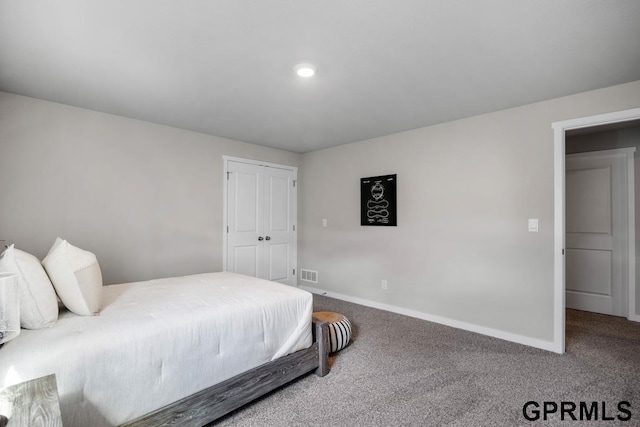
261,225
597,231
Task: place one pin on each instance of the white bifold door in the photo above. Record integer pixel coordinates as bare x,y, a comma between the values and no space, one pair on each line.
597,231
261,221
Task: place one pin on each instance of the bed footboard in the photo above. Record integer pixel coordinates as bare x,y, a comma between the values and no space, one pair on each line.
216,401
321,337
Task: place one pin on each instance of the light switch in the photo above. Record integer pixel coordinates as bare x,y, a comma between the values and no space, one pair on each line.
324,222
533,225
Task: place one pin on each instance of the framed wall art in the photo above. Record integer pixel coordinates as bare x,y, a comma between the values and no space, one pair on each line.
378,201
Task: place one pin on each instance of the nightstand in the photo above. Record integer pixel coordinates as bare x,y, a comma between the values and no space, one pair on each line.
31,403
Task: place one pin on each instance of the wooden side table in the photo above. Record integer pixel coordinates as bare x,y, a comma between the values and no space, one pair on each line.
31,403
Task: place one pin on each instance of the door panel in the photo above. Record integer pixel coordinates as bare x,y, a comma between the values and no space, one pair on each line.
589,200
279,262
595,231
245,260
246,202
279,203
590,271
243,220
279,225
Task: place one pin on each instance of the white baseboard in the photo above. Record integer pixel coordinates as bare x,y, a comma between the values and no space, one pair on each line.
634,317
495,333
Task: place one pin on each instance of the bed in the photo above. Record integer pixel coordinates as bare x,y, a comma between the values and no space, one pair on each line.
175,351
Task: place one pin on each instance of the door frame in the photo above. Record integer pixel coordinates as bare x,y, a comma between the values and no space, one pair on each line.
559,130
225,174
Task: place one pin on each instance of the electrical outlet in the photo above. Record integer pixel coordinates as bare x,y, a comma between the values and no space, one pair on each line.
385,285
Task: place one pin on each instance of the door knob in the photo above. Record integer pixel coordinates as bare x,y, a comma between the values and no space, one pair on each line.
267,238
260,238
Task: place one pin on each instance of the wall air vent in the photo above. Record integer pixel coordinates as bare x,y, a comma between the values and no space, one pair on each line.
309,275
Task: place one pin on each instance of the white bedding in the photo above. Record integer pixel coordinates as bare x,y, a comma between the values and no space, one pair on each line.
156,342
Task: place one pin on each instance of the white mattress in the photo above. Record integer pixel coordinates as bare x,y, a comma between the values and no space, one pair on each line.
156,342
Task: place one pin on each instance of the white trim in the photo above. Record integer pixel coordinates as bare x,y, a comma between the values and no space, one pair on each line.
631,216
495,333
225,223
597,120
558,239
226,159
559,129
613,152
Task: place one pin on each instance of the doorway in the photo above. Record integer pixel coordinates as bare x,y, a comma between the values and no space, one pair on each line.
560,129
260,237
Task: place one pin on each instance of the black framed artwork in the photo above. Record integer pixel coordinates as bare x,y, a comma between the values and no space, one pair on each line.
378,201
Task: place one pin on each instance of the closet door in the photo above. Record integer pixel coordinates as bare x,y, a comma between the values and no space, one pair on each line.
244,219
279,225
261,209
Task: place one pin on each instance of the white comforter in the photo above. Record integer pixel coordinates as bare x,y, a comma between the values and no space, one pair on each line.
158,341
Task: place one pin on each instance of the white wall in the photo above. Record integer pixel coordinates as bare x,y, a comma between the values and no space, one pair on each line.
466,189
145,198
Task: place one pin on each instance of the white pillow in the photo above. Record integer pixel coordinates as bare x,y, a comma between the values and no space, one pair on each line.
38,301
76,275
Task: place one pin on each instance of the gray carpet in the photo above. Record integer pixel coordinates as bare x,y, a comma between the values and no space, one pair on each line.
404,371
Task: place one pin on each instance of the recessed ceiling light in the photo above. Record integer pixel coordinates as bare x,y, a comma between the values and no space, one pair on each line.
305,70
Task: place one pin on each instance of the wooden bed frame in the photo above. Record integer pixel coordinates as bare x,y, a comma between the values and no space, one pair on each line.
214,402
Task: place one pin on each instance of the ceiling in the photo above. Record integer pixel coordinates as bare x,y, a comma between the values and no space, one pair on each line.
225,67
